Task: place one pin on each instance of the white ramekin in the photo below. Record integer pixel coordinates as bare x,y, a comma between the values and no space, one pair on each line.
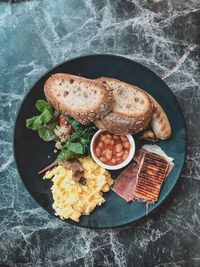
118,166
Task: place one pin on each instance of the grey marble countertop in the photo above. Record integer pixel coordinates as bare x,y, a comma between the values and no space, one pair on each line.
161,34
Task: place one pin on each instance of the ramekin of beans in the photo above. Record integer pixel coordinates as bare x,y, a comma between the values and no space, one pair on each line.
112,151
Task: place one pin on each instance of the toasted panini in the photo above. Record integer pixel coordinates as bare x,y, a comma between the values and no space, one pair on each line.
151,174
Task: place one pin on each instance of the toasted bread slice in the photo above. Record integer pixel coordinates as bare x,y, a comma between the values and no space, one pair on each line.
83,99
132,109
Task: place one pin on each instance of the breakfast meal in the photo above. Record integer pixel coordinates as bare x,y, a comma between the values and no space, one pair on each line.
93,124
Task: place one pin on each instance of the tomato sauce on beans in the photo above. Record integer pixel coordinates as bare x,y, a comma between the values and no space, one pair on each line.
111,149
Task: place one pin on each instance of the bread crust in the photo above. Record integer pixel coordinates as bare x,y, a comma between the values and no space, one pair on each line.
102,108
159,122
121,124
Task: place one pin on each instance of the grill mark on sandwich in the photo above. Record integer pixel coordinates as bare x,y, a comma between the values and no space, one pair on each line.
150,176
151,169
145,181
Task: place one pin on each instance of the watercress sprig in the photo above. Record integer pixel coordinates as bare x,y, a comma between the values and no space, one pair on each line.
43,123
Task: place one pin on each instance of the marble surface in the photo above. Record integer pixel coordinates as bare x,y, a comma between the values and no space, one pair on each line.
161,34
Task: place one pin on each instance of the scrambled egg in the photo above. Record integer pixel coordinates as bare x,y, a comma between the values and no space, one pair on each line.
72,199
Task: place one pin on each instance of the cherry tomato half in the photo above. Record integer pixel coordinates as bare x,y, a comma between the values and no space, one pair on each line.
62,121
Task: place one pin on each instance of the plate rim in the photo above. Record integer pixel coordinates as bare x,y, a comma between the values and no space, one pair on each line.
15,126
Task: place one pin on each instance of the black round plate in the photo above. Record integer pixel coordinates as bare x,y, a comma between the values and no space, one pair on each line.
31,153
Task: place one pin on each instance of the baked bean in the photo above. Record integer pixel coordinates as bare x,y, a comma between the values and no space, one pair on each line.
124,156
103,159
102,138
126,145
103,152
118,148
112,142
120,154
98,152
107,141
109,154
118,159
126,152
109,136
100,145
124,138
113,160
